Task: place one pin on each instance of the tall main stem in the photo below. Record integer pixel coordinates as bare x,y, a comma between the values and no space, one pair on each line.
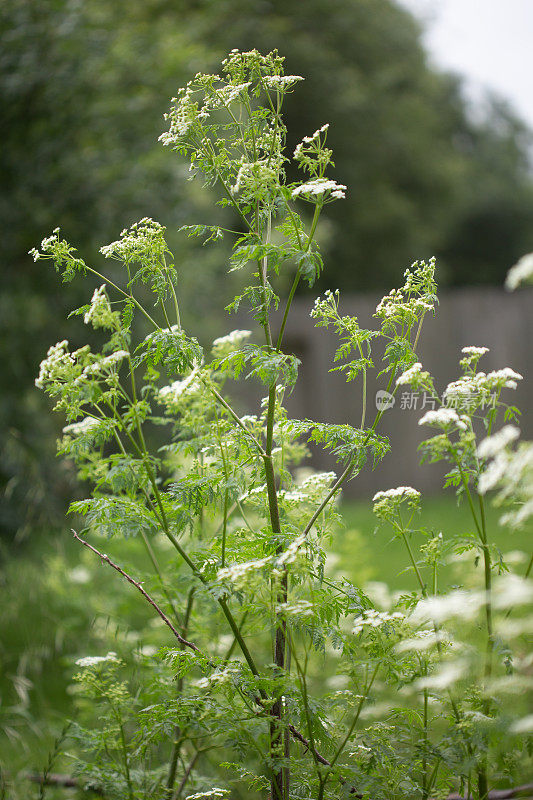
279,733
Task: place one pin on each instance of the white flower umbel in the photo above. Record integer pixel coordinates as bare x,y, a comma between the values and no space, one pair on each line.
522,272
422,641
320,187
281,83
400,492
142,241
230,342
472,350
93,661
505,378
240,574
386,503
82,428
409,375
443,418
115,358
172,394
218,678
493,474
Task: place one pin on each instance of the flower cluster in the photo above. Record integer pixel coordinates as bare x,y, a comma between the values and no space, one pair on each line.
472,354
408,305
255,178
141,242
57,366
472,350
478,389
439,608
493,445
183,115
47,245
224,96
415,376
239,574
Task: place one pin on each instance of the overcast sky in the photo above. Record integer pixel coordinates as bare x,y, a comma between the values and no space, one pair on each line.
490,42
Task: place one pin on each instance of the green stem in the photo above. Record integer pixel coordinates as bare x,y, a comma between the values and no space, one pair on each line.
351,729
179,734
296,281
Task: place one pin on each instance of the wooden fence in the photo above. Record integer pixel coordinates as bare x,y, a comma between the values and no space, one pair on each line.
490,317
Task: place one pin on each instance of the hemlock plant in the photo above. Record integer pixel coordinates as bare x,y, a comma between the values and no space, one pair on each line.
420,693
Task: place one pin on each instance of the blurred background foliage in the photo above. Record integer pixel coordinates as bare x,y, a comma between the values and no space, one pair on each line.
84,85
